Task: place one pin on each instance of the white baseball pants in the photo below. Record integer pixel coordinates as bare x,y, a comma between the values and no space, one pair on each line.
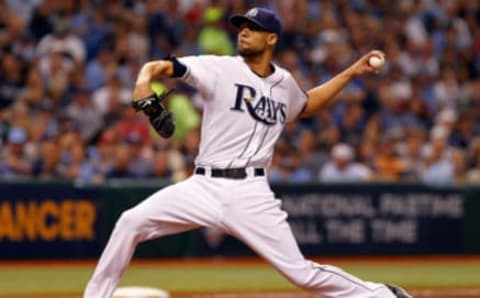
246,209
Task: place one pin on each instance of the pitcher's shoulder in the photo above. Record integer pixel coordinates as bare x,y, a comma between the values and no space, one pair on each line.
223,60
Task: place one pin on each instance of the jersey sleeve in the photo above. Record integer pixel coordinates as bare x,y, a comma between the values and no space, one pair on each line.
202,72
297,99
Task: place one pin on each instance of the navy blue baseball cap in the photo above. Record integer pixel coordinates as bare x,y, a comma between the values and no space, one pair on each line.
262,17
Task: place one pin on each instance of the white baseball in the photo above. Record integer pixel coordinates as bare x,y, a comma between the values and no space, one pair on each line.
376,61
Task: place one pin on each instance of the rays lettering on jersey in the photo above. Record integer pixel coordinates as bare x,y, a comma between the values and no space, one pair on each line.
265,109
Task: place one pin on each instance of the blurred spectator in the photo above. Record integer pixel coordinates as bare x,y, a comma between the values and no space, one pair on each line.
63,40
351,124
438,164
46,115
74,163
459,166
388,165
103,156
160,31
161,166
189,45
133,124
84,115
46,165
291,133
111,94
462,130
446,90
56,70
19,115
141,163
98,69
289,167
342,168
137,40
473,174
128,71
12,79
213,39
121,163
327,134
34,93
41,23
311,158
411,152
96,34
17,163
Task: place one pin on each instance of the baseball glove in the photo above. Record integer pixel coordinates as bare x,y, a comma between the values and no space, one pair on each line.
160,118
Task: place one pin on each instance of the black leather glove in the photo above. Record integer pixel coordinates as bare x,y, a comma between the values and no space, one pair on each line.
160,118
163,123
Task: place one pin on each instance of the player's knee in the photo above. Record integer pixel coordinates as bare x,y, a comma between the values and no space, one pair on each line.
300,281
303,278
134,225
129,220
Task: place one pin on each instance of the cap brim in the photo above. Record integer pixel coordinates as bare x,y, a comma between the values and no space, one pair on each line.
238,20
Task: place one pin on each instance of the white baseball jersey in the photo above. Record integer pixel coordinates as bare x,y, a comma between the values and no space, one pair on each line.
244,113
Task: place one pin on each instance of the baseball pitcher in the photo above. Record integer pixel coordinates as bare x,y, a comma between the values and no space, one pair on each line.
248,100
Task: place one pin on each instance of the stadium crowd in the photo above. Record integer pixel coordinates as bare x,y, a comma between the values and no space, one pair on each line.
68,67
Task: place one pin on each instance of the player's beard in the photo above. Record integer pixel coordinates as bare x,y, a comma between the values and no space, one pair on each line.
250,53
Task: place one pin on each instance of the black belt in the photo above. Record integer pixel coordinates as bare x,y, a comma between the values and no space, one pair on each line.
232,173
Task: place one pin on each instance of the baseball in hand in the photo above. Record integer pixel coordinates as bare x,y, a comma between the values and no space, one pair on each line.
376,61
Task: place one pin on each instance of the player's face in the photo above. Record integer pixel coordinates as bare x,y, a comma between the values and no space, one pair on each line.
253,41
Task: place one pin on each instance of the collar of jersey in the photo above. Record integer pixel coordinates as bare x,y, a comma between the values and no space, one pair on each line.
272,78
272,68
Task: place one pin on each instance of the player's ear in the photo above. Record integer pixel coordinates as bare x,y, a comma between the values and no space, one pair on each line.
272,39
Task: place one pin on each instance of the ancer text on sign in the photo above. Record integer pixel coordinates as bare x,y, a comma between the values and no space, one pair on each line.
47,220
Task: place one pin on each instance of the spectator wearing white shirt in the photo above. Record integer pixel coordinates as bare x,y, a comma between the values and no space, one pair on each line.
62,38
342,168
438,167
111,93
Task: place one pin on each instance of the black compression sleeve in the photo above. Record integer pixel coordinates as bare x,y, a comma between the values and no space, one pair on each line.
179,68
